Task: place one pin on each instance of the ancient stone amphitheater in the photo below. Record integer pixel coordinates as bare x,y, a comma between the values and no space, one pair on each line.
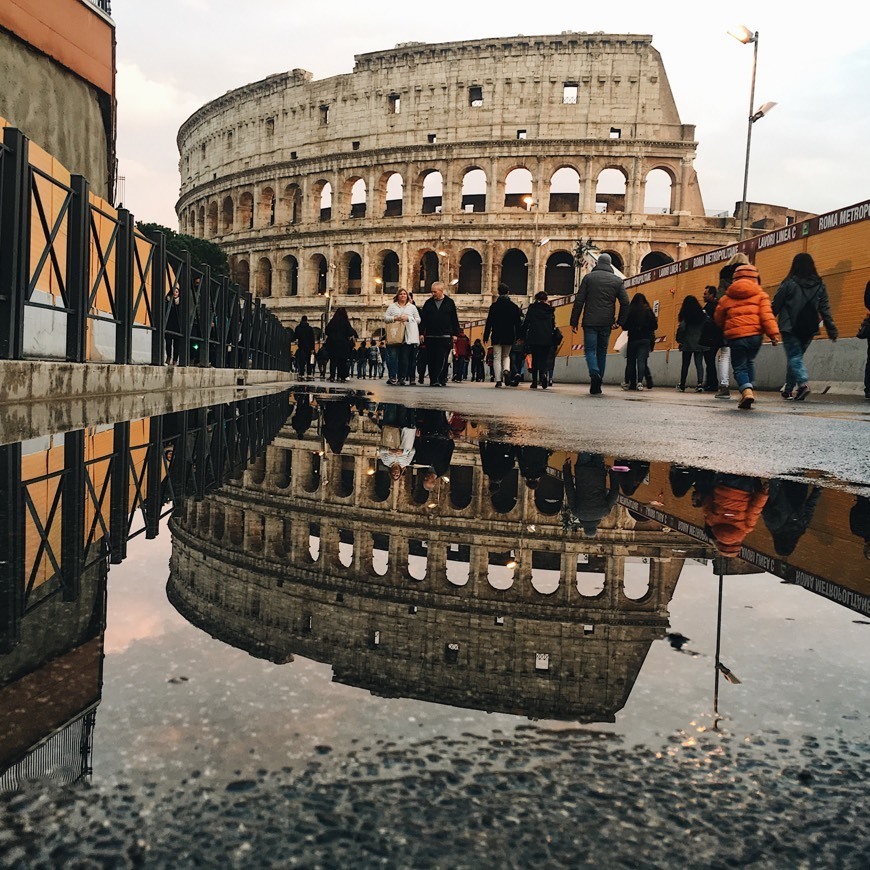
473,162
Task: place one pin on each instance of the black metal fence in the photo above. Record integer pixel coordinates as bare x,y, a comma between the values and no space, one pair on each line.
79,282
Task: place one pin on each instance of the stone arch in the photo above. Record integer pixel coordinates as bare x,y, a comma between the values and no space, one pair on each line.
426,270
218,526
546,570
515,271
351,273
610,187
380,558
590,575
310,470
549,495
564,190
637,579
458,564
380,483
317,274
322,200
246,210
356,196
266,208
559,274
291,203
388,272
518,188
289,275
470,272
654,259
227,215
346,545
418,559
242,275
212,229
201,222
392,186
264,277
504,497
314,542
474,184
343,482
659,190
501,569
433,191
461,486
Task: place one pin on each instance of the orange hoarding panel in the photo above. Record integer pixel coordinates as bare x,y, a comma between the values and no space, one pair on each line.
72,32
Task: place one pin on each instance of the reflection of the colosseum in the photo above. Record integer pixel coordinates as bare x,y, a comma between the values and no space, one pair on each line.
460,597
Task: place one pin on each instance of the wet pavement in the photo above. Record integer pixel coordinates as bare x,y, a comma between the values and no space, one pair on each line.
323,628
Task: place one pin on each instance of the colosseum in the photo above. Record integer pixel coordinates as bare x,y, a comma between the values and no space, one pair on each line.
470,162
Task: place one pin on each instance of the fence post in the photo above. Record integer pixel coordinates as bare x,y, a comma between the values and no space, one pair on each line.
158,299
78,255
119,509
245,361
235,325
154,478
73,515
12,547
220,316
185,290
205,318
124,288
14,242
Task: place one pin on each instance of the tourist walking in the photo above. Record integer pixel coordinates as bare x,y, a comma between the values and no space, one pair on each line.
864,332
504,321
373,354
340,342
640,323
304,349
555,344
800,301
689,331
712,338
745,316
461,356
478,354
723,358
439,322
172,328
403,333
538,326
596,300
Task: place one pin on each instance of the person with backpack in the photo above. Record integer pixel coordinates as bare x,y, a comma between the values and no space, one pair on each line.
799,302
640,323
691,326
504,322
537,331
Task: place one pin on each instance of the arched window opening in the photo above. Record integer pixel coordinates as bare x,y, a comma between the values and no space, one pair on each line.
353,273
290,275
317,275
458,564
292,203
518,186
314,541
395,191
246,210
559,274
654,259
283,468
227,215
433,192
546,569
201,223
501,569
470,273
235,525
358,194
242,275
212,219
389,277
345,547
504,496
344,479
590,575
264,278
658,193
418,556
635,580
266,208
380,483
310,472
474,190
428,271
565,190
461,485
610,192
515,271
326,201
380,553
549,495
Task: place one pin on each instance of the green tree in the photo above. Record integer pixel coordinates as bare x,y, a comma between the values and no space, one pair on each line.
202,252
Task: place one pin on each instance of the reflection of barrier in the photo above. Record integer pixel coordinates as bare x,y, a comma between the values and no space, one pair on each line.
79,282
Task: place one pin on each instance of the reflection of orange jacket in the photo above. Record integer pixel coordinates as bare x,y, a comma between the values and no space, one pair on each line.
731,514
745,310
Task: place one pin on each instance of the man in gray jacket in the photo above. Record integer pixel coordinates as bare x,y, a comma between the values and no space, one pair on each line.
596,300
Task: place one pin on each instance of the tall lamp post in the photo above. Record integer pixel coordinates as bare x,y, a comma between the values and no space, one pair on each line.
745,35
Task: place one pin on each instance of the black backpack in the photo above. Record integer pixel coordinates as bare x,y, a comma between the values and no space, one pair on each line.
806,324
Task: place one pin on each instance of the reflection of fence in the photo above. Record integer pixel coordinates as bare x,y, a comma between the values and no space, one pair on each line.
98,490
79,282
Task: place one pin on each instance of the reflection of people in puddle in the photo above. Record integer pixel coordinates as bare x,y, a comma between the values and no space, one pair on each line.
630,480
303,415
788,512
533,463
859,521
336,423
590,491
398,433
731,509
497,460
433,446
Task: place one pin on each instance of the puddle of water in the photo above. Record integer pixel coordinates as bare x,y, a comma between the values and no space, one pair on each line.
355,606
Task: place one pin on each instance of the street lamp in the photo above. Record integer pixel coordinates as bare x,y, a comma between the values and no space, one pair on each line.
745,35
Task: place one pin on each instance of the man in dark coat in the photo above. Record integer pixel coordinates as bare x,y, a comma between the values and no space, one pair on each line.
503,323
590,492
304,349
596,300
439,322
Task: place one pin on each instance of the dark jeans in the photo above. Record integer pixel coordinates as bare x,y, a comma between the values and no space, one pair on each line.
711,380
401,359
867,374
743,353
173,348
438,352
636,355
540,354
688,356
595,341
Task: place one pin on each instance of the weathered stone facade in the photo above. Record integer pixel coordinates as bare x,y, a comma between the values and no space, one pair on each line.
472,162
317,554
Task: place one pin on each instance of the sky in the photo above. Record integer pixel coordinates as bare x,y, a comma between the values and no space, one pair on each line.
809,153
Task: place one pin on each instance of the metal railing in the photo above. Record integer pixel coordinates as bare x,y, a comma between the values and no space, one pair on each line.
105,5
79,282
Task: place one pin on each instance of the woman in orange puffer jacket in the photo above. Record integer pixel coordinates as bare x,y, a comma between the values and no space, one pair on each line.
745,316
732,509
